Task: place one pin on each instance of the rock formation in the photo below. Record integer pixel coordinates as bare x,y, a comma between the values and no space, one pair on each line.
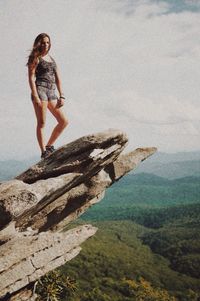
36,206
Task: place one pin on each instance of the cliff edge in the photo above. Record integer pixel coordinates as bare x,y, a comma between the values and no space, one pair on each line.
36,206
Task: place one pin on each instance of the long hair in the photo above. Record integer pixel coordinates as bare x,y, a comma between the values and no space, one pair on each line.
36,50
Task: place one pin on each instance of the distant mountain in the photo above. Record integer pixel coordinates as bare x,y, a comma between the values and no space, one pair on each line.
154,180
143,179
11,168
160,157
172,166
135,195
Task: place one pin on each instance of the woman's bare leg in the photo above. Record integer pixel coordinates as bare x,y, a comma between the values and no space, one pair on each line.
40,112
61,119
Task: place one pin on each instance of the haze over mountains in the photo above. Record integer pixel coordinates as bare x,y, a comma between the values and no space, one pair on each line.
11,168
171,166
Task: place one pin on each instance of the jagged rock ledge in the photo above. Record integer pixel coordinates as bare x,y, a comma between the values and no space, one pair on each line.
37,205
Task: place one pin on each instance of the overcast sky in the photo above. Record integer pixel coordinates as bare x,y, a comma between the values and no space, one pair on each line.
132,65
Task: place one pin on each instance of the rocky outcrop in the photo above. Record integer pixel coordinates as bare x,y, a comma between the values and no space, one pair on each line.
37,205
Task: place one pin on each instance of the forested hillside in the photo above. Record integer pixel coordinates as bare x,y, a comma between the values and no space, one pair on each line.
143,198
116,255
148,244
149,228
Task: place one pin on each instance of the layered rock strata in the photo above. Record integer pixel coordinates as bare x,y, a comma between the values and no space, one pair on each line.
36,206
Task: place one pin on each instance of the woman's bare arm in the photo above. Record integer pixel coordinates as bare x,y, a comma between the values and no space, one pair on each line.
58,82
59,87
31,77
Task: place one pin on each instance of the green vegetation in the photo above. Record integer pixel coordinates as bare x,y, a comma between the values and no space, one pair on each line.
149,228
116,253
54,286
179,240
148,200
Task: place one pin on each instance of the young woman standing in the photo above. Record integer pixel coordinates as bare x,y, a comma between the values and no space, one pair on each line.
44,78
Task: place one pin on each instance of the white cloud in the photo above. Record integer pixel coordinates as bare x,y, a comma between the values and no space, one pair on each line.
134,65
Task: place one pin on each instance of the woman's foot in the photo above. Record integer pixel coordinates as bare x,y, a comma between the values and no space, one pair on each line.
44,154
50,149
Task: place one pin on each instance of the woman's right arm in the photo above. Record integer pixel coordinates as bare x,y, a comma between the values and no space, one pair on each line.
31,77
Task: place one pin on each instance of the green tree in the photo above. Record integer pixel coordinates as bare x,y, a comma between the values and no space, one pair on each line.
54,286
96,294
142,290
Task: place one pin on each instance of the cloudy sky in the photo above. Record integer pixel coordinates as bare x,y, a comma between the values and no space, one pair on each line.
126,64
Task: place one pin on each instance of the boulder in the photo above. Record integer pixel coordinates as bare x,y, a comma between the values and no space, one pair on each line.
36,206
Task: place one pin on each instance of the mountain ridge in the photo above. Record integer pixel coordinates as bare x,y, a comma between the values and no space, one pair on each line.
167,165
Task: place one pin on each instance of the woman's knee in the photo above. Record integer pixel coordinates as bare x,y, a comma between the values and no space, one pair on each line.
63,123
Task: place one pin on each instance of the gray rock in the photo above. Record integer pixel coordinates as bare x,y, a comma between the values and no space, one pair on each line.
37,205
86,155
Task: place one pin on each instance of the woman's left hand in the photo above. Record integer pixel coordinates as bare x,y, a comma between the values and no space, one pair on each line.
60,102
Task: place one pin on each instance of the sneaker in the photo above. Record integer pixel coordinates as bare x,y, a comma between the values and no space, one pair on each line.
50,149
44,154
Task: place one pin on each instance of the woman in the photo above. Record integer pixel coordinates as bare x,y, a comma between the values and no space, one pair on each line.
43,79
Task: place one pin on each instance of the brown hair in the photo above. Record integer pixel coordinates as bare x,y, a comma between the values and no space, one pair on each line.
36,50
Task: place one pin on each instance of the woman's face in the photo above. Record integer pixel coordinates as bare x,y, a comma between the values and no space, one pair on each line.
45,45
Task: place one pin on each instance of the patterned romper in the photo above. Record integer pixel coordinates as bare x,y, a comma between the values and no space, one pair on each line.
45,80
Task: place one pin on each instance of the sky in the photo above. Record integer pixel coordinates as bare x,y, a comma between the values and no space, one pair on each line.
132,65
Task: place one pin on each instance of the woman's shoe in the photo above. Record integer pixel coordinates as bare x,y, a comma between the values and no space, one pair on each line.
50,149
44,154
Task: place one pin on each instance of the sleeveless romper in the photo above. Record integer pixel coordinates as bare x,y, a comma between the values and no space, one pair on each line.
45,80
